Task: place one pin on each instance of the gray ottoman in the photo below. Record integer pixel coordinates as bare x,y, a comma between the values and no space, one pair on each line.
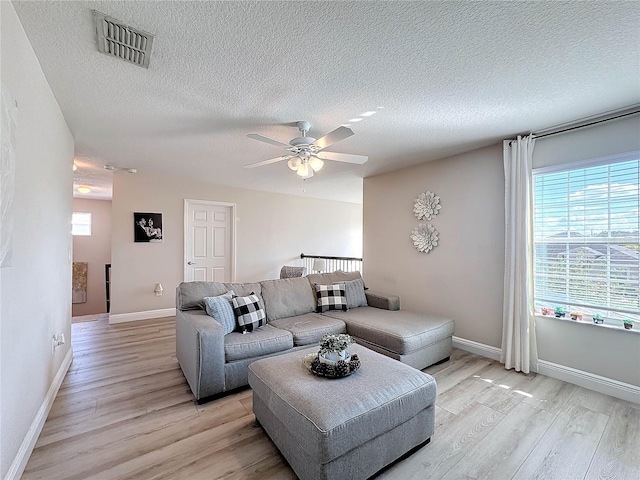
347,428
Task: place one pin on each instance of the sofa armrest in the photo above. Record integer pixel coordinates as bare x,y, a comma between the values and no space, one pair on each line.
200,352
382,300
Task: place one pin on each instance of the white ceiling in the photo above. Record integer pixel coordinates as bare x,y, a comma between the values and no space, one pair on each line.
444,77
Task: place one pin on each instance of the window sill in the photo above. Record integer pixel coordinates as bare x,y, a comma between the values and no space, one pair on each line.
635,328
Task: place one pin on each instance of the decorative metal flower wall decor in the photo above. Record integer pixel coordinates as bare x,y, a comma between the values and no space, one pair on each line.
426,206
425,237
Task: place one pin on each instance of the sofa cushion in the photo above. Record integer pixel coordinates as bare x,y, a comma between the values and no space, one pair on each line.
354,291
328,278
398,331
331,297
287,297
190,295
249,313
308,329
263,341
220,309
244,289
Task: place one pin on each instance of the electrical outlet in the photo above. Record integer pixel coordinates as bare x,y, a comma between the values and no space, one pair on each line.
57,341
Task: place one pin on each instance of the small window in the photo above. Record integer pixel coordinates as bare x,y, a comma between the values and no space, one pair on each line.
81,224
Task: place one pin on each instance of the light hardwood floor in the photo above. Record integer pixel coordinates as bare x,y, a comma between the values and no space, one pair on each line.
125,411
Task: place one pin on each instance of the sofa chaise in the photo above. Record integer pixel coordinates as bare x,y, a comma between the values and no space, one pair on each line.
214,363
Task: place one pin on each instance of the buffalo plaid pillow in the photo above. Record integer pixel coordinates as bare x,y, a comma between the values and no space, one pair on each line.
331,297
249,314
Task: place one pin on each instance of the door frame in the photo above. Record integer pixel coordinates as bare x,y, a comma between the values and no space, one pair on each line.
232,206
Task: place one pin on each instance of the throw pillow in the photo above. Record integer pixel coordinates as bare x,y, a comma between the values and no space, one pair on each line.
331,297
220,309
354,291
249,315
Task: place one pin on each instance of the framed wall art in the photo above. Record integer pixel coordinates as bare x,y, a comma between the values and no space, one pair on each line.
147,227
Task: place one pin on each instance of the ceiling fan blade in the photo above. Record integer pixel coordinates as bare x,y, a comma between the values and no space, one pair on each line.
330,138
267,162
342,157
262,138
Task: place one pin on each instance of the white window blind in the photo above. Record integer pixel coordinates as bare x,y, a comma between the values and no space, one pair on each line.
81,223
586,238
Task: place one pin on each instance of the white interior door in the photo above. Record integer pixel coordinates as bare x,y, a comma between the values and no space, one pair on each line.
209,241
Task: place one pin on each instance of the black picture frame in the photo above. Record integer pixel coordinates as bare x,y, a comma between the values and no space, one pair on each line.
147,227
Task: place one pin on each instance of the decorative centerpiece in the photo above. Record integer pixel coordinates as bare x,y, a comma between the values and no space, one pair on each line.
628,323
335,348
334,359
598,319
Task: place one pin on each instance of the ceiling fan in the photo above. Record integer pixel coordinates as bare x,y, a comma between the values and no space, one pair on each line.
306,155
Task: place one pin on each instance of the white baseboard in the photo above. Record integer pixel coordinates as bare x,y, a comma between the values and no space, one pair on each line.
597,383
135,316
605,385
24,452
478,348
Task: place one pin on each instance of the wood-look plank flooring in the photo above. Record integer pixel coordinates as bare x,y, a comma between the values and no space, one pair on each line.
125,411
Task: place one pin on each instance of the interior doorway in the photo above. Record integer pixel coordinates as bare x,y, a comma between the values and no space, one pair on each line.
91,228
209,241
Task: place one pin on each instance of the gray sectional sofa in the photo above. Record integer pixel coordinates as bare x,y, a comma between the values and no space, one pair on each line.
214,363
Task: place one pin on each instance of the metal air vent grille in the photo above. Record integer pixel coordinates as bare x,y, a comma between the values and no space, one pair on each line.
121,41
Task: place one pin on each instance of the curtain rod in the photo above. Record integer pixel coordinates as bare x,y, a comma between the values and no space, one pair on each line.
588,124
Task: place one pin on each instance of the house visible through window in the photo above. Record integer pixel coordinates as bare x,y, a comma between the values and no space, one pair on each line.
81,223
586,228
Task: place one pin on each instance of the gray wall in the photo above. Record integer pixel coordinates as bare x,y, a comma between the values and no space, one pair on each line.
271,231
463,277
35,297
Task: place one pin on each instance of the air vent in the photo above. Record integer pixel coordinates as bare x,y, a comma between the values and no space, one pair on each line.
121,41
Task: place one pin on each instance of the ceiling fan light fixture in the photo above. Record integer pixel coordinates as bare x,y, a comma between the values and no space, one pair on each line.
303,170
316,164
294,163
305,154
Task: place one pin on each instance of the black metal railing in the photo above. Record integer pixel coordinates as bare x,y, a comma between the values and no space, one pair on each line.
331,263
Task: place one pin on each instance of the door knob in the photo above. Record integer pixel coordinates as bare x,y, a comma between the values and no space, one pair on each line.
191,263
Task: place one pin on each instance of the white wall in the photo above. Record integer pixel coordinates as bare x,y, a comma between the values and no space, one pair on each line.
36,289
96,251
462,277
271,230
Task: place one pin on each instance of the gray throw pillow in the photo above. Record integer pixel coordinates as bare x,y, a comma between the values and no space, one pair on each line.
354,291
221,310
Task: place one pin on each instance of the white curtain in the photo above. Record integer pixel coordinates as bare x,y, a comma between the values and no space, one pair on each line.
519,349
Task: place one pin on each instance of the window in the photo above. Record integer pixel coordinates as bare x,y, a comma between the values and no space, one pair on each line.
586,229
81,223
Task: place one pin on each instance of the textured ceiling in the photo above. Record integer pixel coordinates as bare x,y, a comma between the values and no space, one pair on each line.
444,77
